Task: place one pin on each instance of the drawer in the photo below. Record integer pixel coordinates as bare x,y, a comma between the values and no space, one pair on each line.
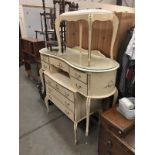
58,103
44,58
50,82
59,64
78,75
111,145
68,94
64,100
80,86
45,65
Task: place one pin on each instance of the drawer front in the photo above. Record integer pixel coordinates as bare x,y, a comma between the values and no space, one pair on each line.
80,86
109,144
44,58
45,66
58,103
50,82
68,94
59,64
78,75
67,103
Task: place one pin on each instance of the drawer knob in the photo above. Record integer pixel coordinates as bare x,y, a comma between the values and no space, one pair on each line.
67,103
120,132
56,87
77,75
78,86
109,143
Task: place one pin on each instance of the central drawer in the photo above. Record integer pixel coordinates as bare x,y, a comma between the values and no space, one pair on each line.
60,105
64,100
59,64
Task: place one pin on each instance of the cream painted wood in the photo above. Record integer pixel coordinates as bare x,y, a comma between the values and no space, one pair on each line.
80,86
62,98
44,58
45,65
81,76
89,76
60,105
90,15
59,64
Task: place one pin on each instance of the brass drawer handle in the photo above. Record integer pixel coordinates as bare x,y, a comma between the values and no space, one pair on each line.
77,76
78,86
56,87
120,132
66,112
109,143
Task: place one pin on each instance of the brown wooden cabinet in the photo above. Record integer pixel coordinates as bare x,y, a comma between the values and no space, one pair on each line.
30,50
116,135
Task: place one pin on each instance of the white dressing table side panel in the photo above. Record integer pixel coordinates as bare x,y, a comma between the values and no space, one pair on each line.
101,84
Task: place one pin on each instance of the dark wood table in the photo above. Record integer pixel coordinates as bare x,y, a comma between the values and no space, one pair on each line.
30,48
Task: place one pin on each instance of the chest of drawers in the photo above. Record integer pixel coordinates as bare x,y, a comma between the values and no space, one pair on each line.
113,139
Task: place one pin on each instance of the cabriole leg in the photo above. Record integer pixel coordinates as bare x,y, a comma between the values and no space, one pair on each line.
87,115
75,132
46,102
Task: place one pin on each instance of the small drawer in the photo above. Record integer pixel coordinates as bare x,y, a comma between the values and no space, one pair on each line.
78,75
50,82
44,58
60,105
80,86
59,64
68,94
64,100
44,65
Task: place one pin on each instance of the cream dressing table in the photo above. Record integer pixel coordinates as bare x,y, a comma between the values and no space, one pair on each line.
76,80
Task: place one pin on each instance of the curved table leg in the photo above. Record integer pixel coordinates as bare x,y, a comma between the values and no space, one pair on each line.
75,132
46,102
87,115
115,97
41,71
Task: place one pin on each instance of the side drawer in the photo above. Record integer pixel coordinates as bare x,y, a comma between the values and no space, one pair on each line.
68,94
45,65
78,75
59,64
80,86
44,58
64,100
50,82
58,103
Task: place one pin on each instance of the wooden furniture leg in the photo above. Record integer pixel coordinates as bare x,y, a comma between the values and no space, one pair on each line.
75,132
87,114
